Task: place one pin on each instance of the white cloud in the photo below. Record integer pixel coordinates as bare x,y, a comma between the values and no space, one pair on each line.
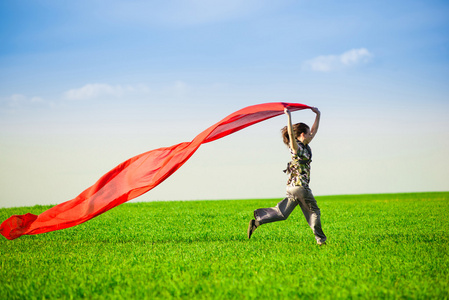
322,63
355,56
99,90
20,101
327,63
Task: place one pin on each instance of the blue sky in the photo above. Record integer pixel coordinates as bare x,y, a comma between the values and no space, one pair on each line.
85,85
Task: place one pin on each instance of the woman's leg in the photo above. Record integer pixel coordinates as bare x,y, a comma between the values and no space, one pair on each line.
278,213
310,210
272,214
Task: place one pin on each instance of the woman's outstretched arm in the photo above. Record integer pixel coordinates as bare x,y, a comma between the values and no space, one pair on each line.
316,124
291,135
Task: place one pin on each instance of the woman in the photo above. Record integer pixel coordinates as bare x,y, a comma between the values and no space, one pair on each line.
297,137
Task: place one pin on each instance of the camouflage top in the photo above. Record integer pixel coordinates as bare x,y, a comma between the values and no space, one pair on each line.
298,169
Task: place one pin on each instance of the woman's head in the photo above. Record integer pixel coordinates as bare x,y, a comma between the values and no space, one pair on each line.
298,129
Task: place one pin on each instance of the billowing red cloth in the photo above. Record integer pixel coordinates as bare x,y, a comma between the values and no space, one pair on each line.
136,176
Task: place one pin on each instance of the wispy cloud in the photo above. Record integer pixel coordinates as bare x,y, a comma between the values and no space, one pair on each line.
19,101
93,92
327,63
100,90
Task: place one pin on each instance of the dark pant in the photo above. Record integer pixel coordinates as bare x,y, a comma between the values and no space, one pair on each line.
295,195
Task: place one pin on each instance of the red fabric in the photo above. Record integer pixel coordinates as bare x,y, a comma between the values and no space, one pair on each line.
136,176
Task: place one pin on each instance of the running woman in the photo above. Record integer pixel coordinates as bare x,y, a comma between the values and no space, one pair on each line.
297,137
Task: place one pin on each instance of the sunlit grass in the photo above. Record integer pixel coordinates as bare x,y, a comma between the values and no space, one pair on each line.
379,246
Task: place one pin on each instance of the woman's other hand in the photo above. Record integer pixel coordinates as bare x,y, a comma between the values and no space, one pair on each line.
315,110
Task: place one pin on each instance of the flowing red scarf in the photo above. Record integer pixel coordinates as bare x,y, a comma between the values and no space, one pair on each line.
136,176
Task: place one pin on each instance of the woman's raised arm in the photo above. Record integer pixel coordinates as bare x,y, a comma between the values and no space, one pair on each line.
291,135
316,124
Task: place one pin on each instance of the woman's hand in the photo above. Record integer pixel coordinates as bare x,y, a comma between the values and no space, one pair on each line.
286,111
315,110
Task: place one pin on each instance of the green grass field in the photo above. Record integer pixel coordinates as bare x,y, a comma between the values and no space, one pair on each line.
379,246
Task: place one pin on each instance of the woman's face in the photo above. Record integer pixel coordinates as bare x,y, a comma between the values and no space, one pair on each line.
306,137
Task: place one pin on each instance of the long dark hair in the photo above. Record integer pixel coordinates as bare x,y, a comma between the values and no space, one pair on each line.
297,128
